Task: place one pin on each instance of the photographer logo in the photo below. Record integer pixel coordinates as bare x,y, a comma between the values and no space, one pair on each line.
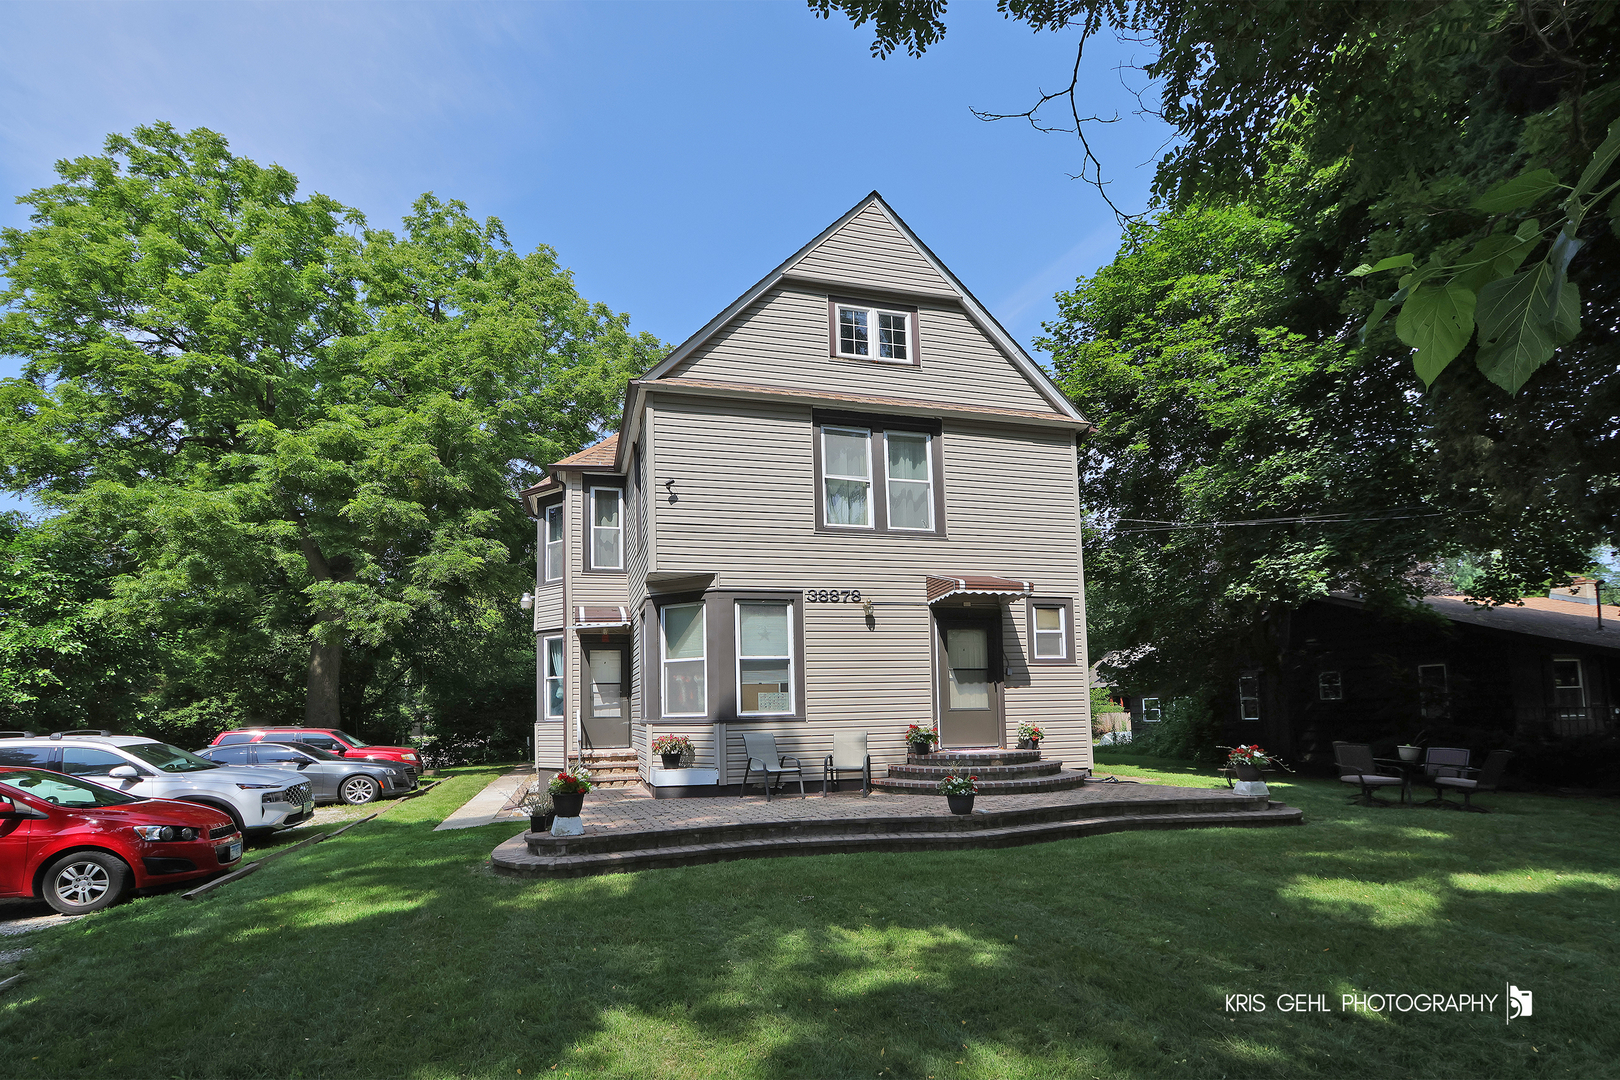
1518,1003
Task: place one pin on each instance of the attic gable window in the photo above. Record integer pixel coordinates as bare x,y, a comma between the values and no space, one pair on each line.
883,333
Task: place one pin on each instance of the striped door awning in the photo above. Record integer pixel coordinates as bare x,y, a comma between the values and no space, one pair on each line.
600,617
941,586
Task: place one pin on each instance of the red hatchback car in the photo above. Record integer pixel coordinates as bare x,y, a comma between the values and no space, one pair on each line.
332,740
81,846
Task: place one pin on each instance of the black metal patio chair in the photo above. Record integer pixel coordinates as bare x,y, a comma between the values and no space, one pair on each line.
1356,766
1489,779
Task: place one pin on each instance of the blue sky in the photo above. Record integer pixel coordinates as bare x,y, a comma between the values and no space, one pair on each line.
672,153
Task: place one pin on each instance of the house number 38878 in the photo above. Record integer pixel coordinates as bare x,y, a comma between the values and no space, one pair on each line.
832,596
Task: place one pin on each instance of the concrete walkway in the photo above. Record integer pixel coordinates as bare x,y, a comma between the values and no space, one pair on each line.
497,802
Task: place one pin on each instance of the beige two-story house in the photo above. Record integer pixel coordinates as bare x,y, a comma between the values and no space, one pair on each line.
850,500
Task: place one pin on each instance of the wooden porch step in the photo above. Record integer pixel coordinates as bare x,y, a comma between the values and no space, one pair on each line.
516,857
936,773
1061,780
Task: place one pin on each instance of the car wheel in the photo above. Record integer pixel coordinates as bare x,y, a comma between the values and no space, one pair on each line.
85,881
236,819
356,790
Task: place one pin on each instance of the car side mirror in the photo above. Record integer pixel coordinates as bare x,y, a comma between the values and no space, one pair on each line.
8,808
124,772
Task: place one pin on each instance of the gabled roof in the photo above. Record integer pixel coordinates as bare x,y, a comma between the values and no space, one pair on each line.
597,456
1533,616
955,291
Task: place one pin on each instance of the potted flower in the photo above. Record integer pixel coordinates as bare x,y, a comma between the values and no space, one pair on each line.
1411,751
541,811
1029,737
959,791
1247,762
568,790
920,740
672,748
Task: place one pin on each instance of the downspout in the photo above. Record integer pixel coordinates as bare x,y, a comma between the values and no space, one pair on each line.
567,593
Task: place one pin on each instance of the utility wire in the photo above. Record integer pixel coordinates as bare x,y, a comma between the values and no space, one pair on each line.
1307,519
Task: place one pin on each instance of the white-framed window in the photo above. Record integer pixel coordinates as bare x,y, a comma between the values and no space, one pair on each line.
607,528
1329,686
874,333
846,477
764,658
1249,697
1569,689
684,656
552,664
1433,687
1051,632
554,542
1151,712
910,478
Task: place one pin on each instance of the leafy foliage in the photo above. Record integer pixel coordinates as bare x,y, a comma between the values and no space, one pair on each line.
297,439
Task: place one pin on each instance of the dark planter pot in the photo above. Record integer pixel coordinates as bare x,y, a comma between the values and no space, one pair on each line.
1247,772
568,803
921,747
960,804
671,761
541,822
1029,744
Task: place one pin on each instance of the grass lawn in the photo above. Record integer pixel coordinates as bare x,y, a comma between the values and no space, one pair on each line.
394,951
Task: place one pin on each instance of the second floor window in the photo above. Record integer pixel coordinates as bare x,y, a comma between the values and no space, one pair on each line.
878,475
554,543
607,528
685,682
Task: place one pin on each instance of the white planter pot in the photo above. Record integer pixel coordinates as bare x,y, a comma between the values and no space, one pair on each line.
1249,788
572,826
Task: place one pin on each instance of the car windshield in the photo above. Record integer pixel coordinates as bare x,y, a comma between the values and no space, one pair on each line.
169,758
62,790
313,751
351,740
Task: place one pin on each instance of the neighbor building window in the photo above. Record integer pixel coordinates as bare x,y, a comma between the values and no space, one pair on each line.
607,528
1432,690
1569,691
1051,630
910,480
1249,697
873,333
846,471
1329,686
1150,710
554,543
878,475
764,658
552,666
685,684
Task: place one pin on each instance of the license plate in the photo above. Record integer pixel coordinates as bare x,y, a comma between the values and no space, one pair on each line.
309,807
236,851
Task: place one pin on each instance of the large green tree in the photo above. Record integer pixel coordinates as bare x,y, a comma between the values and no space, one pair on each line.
289,427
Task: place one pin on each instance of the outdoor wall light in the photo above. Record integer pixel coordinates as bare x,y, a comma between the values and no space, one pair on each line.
527,602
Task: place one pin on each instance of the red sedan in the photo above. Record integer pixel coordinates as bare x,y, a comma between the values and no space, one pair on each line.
81,846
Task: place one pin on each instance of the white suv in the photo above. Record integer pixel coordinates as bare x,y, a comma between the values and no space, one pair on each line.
256,799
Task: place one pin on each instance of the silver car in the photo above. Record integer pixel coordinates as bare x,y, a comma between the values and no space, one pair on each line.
331,778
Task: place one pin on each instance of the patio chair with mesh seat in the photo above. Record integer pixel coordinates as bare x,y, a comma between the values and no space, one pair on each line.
763,759
1443,762
1356,766
849,754
1489,779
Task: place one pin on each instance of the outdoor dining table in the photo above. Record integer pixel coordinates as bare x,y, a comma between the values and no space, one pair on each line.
1408,770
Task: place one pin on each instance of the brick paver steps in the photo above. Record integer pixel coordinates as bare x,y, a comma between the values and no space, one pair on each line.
613,768
999,772
983,772
974,758
628,830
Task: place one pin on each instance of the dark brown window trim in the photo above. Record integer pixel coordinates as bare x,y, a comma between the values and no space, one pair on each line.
720,655
540,563
1064,602
586,547
877,425
913,322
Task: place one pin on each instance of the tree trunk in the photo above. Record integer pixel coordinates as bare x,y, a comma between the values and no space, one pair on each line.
325,676
321,693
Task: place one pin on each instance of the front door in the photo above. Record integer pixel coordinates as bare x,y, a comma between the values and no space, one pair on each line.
969,685
606,708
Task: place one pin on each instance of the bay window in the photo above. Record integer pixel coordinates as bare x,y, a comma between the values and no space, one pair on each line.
684,660
764,658
605,513
554,543
552,664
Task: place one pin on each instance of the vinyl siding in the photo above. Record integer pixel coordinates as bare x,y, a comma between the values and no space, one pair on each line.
782,340
870,251
747,512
